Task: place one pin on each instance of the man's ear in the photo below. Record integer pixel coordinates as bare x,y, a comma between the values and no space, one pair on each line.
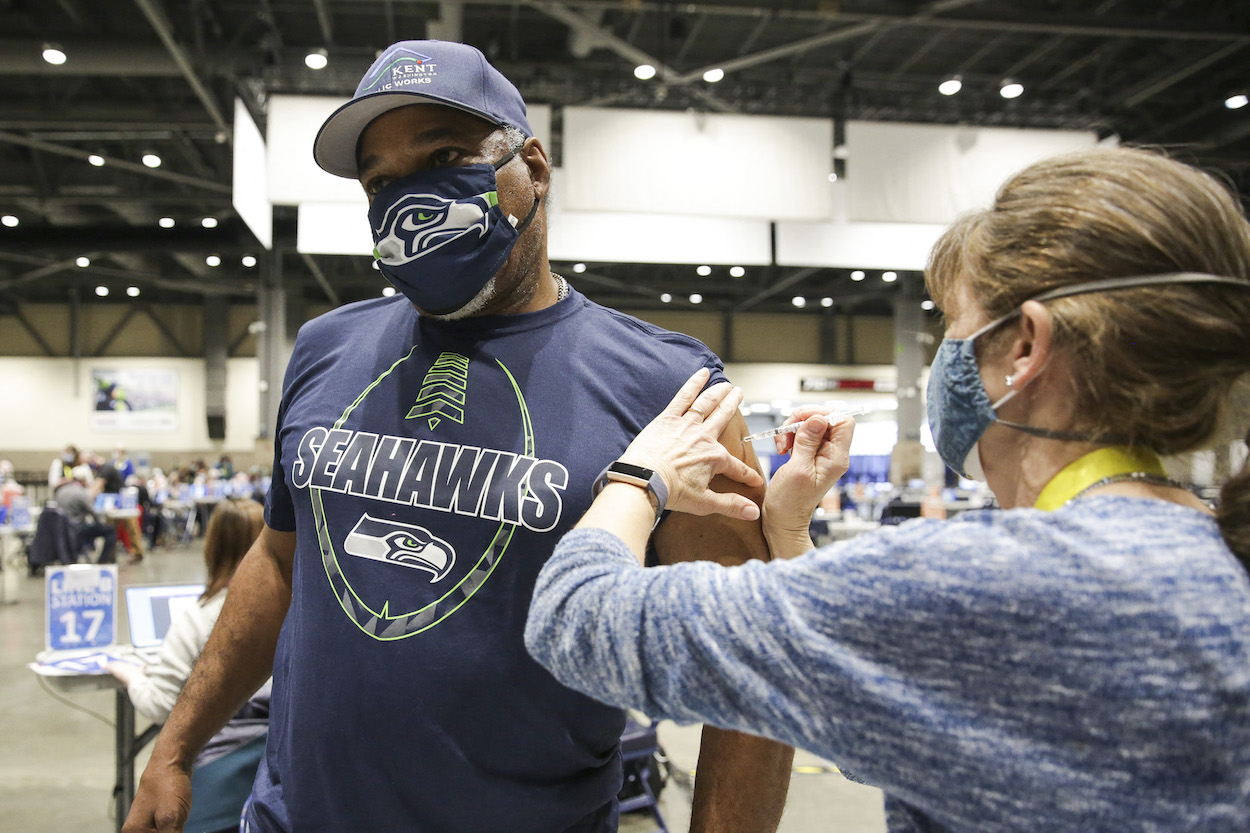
1032,349
535,156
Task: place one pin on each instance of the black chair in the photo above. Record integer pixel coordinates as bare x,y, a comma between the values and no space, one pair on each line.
644,770
55,541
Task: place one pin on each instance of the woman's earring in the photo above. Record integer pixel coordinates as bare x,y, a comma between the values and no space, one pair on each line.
1011,380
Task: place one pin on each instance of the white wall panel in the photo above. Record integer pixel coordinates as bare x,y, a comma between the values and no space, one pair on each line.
334,228
642,161
608,237
250,190
856,245
920,173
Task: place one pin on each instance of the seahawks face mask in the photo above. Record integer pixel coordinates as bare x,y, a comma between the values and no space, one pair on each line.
439,235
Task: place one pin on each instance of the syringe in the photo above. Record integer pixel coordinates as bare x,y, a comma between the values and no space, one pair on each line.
790,429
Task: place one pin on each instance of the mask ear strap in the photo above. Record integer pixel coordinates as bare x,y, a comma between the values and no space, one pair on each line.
529,218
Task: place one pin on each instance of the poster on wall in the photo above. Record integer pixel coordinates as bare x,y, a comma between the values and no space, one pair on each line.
134,400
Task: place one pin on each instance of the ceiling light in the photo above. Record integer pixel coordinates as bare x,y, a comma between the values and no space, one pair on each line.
951,85
151,160
213,260
736,271
132,291
703,271
316,59
889,277
96,159
53,54
166,222
1011,89
248,261
665,298
9,221
713,75
826,302
696,298
833,177
83,262
1236,102
579,267
388,291
102,291
857,275
799,301
644,72
926,304
209,222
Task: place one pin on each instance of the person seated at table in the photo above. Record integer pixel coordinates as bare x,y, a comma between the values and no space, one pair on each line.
9,487
1077,661
153,689
75,500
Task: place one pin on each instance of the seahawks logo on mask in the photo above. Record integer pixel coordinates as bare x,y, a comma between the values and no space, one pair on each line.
417,224
403,544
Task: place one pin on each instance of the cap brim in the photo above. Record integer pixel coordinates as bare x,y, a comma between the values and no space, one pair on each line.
335,146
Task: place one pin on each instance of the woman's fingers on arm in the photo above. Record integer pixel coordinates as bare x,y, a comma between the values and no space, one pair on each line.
688,393
740,472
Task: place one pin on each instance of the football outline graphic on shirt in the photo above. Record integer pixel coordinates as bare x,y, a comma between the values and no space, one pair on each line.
418,224
382,624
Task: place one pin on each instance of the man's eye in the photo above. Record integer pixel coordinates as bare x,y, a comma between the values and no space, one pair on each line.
373,186
443,156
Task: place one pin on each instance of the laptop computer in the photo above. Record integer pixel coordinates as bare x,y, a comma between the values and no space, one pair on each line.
150,608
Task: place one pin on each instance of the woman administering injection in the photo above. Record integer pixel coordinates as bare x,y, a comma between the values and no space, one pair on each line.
1079,661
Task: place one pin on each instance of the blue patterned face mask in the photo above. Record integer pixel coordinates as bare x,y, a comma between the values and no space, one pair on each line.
439,235
960,410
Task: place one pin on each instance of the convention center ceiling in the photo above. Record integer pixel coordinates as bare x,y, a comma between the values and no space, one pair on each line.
160,77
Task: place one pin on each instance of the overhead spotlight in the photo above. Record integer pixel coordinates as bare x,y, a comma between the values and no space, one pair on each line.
579,267
83,262
696,298
102,291
799,301
1236,102
833,177
248,261
209,222
951,85
703,271
826,302
644,72
857,275
96,159
1011,89
714,75
316,59
152,160
54,55
665,298
132,291
388,291
736,271
889,277
213,260
9,221
926,305
165,222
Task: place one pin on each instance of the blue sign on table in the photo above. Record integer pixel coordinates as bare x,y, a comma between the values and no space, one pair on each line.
82,606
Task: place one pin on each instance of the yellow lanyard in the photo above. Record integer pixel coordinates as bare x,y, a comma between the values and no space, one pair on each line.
1084,472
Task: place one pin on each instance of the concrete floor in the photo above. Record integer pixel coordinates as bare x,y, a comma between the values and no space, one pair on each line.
56,758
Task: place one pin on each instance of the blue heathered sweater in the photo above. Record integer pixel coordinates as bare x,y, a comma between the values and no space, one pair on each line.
1082,670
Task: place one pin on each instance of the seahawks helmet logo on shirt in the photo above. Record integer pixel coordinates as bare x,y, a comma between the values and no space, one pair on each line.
403,544
417,224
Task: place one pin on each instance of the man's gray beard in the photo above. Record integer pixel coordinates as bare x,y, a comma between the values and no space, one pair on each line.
476,305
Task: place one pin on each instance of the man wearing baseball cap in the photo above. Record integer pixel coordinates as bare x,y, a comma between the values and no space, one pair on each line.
431,448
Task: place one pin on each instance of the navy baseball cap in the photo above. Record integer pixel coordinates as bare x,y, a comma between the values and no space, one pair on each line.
411,72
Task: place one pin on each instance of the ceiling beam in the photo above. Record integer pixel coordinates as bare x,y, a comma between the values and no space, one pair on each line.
160,23
1174,75
320,277
121,164
324,21
794,278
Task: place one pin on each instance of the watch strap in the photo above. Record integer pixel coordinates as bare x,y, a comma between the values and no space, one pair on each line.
639,476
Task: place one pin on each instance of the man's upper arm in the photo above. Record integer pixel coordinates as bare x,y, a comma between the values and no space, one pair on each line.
717,538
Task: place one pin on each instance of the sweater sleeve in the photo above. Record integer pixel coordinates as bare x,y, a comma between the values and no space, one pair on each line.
155,691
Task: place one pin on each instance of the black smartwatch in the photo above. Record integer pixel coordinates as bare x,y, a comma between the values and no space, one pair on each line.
635,476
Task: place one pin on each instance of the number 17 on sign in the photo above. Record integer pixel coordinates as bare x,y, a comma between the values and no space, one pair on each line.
82,606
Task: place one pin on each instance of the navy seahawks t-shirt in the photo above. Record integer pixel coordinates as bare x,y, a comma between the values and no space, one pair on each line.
428,469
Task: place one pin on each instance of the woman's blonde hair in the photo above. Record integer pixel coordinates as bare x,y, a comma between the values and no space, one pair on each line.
232,528
1155,365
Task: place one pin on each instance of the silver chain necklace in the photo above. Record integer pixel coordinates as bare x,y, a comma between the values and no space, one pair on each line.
562,291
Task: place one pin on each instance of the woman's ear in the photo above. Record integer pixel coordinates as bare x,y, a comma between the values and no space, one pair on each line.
535,156
1031,351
